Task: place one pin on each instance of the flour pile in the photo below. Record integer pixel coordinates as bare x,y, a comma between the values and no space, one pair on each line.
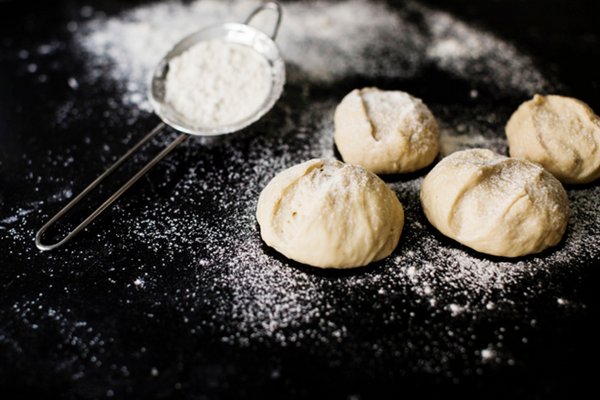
216,83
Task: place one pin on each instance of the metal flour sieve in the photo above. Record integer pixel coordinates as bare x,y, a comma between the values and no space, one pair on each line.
240,33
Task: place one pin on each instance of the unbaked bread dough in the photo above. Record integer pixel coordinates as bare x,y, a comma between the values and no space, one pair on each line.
329,214
494,204
560,133
387,132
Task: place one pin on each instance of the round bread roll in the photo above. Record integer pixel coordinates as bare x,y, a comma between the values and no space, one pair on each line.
560,133
330,215
387,132
495,204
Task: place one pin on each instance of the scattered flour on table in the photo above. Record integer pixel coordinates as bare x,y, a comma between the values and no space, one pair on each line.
323,43
194,252
325,40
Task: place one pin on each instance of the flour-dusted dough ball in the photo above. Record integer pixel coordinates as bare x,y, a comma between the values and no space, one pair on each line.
330,215
387,132
560,133
494,204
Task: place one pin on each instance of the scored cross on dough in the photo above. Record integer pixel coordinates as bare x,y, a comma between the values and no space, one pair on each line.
385,131
329,214
560,133
495,204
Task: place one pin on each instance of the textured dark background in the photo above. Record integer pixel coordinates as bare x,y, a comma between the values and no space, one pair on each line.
40,357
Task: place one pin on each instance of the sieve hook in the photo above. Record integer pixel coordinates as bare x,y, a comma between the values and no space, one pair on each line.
274,6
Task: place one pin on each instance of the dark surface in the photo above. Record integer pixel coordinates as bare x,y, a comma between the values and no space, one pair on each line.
72,327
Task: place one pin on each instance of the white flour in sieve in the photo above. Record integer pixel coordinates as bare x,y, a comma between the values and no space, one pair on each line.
217,83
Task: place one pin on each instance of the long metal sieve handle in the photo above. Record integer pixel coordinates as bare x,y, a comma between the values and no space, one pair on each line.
111,199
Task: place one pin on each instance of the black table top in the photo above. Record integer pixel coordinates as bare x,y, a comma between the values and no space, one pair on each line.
170,293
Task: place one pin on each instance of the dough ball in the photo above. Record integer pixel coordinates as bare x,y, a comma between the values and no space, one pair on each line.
330,215
560,133
387,132
494,204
